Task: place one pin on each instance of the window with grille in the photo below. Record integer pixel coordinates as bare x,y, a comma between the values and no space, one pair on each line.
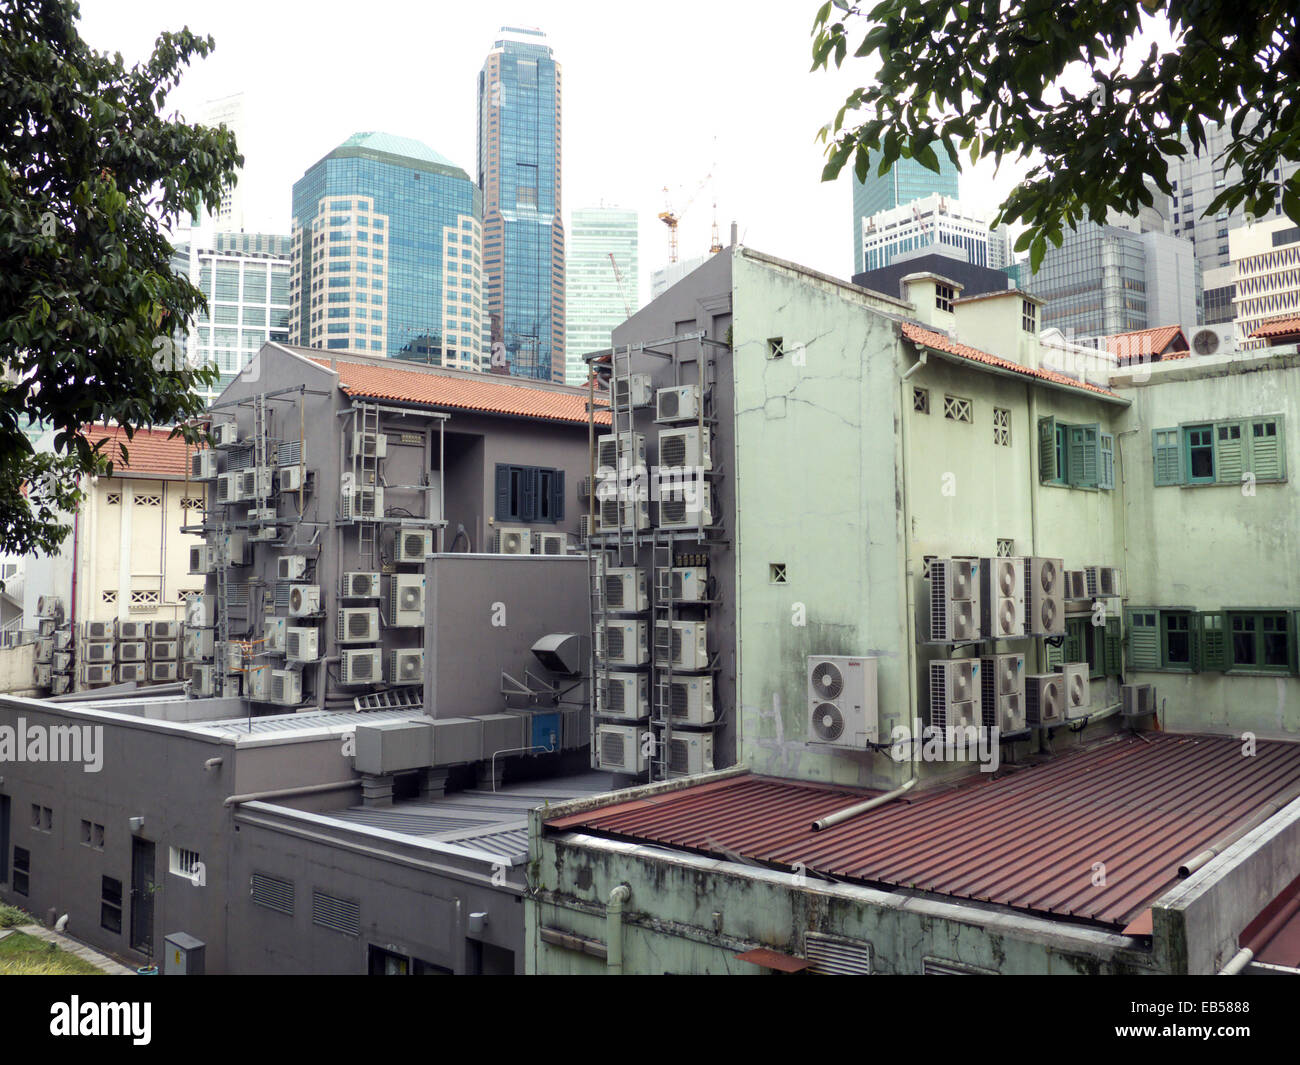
110,904
191,503
1006,548
1028,316
113,498
148,500
956,409
776,572
145,598
184,862
943,296
1001,427
109,596
921,400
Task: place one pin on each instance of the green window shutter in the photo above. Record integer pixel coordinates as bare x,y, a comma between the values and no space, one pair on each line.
503,493
1293,640
557,495
1267,449
1214,641
1083,460
1167,455
1196,641
1112,647
1075,631
1231,448
1143,638
1055,655
531,476
1106,473
1047,471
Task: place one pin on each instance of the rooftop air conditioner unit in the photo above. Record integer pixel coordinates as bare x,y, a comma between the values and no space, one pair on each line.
62,639
954,600
99,630
1102,582
620,749
406,666
273,634
1002,598
683,643
132,630
358,625
361,585
61,661
203,558
162,671
683,584
631,514
96,675
163,650
1076,584
623,643
955,695
304,600
625,695
1044,699
365,502
512,540
228,487
291,567
406,600
45,626
42,675
1044,597
129,672
842,708
678,404
1206,342
629,454
361,667
257,684
50,606
687,448
550,543
367,446
1137,700
164,630
225,434
60,684
690,700
45,649
625,589
1077,695
255,484
292,478
234,657
200,612
198,645
413,545
690,754
286,687
232,549
633,390
685,505
1002,692
97,652
301,643
203,465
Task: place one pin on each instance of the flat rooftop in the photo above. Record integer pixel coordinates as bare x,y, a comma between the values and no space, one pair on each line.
1140,804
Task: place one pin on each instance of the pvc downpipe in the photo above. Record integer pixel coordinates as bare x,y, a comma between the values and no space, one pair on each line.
860,808
285,793
1239,962
614,929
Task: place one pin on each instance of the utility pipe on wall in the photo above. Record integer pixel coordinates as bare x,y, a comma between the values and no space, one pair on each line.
614,928
860,808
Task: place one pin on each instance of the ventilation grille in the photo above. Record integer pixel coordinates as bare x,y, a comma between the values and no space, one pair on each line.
338,915
614,592
613,749
679,700
672,450
938,601
283,589
679,756
289,453
836,957
271,892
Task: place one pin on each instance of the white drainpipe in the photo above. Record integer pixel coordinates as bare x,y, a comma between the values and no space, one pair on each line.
614,929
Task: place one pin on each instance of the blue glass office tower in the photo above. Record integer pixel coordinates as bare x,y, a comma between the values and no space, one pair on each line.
519,177
387,254
905,181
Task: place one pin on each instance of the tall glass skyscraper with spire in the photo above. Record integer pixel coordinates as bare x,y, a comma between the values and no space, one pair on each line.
905,181
519,177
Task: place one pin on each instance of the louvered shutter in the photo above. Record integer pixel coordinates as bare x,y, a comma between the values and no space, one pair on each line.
1143,638
1047,471
1167,456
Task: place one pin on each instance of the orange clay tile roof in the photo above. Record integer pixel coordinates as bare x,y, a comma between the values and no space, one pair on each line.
941,342
1281,327
481,392
151,451
1146,343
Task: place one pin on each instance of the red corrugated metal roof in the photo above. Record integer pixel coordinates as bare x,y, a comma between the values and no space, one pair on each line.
941,342
478,392
150,451
1165,342
1029,839
1274,935
1281,327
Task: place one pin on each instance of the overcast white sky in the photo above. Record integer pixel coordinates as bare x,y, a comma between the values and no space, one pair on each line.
654,95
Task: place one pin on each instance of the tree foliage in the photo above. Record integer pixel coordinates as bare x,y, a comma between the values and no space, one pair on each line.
91,174
985,78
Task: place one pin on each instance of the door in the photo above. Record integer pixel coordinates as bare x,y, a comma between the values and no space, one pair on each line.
142,891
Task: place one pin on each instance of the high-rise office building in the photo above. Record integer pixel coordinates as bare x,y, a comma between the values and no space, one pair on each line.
519,177
933,224
1266,276
668,275
387,254
597,297
905,181
229,112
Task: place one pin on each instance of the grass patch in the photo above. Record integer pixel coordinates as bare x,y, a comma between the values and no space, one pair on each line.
24,955
11,918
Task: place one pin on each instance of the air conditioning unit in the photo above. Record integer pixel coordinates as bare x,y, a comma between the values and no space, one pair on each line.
1075,683
365,502
632,514
225,434
625,589
291,567
358,625
406,600
95,675
97,652
61,684
842,709
1002,598
50,606
690,754
163,650
689,448
550,543
42,675
1137,700
512,540
162,671
132,630
164,630
257,684
584,526
255,484
361,667
99,630
45,626
1206,342
228,487
955,695
1076,584
1102,582
620,749
623,643
633,390
197,644
629,453
954,599
286,687
1044,597
1002,692
690,700
273,634
45,649
304,600
678,404
626,695
1044,699
232,549
291,479
129,672
203,465
362,585
406,667
61,661
683,584
366,446
203,558
683,643
681,504
412,545
200,612
62,639
234,657
301,643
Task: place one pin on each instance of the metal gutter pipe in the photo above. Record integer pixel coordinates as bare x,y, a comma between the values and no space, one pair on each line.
614,928
286,793
1228,838
852,811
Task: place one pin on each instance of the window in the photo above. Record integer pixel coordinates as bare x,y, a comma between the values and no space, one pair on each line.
110,904
184,862
42,818
113,499
1260,641
1006,549
1079,456
775,347
1250,641
956,409
1200,453
1100,646
921,400
529,494
1001,427
943,295
1028,316
776,573
1176,639
1220,452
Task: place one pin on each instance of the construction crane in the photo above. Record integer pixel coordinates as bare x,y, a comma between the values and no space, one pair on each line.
670,218
618,276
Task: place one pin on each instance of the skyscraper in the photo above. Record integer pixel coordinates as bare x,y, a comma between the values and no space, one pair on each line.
387,254
905,181
597,298
519,177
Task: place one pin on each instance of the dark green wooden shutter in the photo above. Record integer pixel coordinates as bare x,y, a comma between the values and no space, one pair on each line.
1047,470
1082,459
1076,631
1293,640
1055,656
1112,647
1231,451
1167,455
557,495
1143,638
1196,641
503,493
528,488
1268,449
1215,641
1106,473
